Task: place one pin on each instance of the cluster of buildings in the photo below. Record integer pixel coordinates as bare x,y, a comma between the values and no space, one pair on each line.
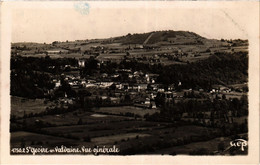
136,87
108,87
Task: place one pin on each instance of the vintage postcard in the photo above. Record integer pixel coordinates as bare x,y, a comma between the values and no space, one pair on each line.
125,82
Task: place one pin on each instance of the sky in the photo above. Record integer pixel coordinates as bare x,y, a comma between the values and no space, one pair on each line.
61,24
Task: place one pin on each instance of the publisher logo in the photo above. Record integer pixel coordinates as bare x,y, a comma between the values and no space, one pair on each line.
239,143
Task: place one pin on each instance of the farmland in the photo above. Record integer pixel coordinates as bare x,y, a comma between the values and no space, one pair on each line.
169,43
128,133
126,109
115,131
20,105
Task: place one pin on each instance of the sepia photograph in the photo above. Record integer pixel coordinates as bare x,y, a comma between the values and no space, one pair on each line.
165,79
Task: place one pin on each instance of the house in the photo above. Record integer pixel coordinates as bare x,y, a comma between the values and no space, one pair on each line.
179,84
104,75
67,66
142,87
98,65
57,51
147,77
147,101
115,75
104,97
138,73
135,87
119,86
138,46
152,95
171,87
66,100
168,94
57,84
90,85
153,105
154,87
160,90
81,63
130,76
104,84
115,100
51,67
124,70
83,83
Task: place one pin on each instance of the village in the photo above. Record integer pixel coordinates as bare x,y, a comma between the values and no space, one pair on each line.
125,87
121,91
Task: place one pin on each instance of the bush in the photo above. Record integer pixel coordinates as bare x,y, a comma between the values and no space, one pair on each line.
200,151
80,122
39,143
87,139
221,146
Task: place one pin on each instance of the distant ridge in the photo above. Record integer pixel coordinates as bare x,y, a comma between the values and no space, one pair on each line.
141,38
155,37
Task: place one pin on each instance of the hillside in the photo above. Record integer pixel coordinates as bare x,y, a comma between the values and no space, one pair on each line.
158,36
164,47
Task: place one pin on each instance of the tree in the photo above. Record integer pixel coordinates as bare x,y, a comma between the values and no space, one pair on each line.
87,139
113,86
221,146
224,97
80,122
22,143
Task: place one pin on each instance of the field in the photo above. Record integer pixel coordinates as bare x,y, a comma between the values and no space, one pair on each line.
35,139
54,56
125,109
193,51
108,126
99,129
20,105
72,118
211,145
